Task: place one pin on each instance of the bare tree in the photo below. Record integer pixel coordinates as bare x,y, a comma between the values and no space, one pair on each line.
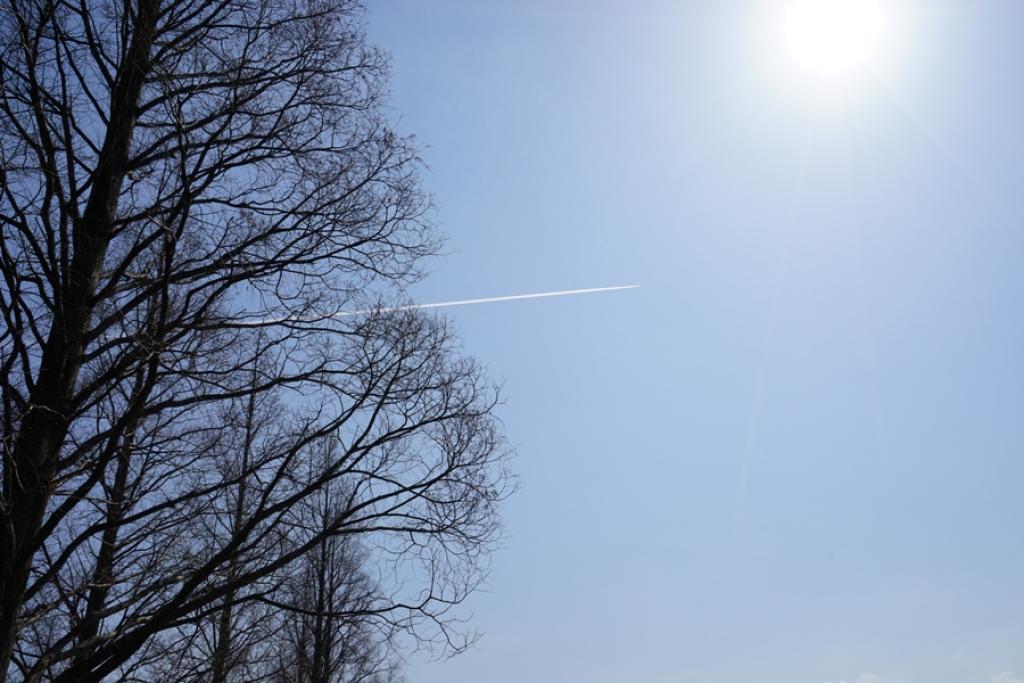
192,192
335,624
320,620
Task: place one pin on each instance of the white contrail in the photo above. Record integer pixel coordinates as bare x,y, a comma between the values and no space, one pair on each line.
459,302
490,300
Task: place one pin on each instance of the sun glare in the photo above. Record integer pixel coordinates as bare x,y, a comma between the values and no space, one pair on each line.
834,37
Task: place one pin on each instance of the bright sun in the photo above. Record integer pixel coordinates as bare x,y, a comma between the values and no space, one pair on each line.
834,37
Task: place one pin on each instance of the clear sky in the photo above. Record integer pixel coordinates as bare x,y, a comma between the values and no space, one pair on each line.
794,455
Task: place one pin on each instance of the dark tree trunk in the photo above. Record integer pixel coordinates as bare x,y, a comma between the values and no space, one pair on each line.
191,192
28,475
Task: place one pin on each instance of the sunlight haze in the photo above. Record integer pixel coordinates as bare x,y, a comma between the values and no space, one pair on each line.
794,454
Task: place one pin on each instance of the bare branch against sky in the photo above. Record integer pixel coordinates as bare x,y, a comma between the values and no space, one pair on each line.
172,168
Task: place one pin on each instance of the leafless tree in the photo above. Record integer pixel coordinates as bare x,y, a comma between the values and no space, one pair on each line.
192,193
335,626
320,620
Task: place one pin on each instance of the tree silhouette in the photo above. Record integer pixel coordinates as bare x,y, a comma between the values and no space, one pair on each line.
192,192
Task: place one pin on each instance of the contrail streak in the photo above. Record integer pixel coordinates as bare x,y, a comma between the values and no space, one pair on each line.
490,300
458,302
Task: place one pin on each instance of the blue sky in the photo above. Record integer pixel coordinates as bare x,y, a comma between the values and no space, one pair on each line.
794,454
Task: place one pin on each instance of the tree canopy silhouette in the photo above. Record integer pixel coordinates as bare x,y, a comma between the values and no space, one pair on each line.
191,192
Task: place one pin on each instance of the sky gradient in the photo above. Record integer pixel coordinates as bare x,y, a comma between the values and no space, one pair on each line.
794,454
